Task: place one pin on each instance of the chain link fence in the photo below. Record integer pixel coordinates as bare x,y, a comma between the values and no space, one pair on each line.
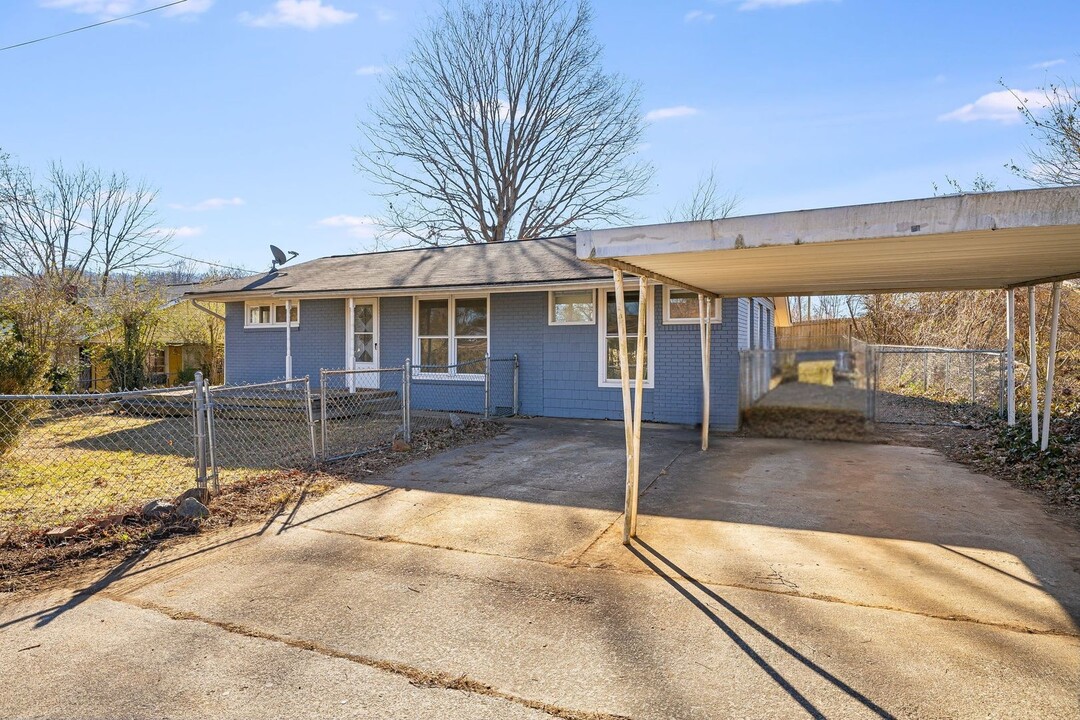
926,385
256,428
360,410
66,459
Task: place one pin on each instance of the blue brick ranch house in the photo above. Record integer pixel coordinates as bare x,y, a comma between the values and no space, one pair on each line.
442,307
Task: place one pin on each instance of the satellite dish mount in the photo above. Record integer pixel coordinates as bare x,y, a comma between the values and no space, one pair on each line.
280,258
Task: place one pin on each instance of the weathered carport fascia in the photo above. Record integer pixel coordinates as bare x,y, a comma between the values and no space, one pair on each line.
980,241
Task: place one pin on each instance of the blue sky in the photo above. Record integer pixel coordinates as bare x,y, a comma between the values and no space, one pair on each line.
243,112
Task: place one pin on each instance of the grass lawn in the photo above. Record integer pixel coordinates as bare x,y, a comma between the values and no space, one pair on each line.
95,461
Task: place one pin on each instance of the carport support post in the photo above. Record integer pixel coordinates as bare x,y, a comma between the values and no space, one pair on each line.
1048,393
628,418
641,347
1033,368
1010,354
705,318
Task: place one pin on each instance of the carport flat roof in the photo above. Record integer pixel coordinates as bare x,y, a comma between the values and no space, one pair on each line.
955,242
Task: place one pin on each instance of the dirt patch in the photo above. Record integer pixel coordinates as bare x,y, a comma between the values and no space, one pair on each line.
807,411
29,559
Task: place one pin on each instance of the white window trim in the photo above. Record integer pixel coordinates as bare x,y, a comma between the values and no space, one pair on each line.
452,373
650,338
248,325
551,307
718,311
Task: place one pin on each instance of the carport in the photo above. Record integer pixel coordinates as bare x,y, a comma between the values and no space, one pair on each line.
984,241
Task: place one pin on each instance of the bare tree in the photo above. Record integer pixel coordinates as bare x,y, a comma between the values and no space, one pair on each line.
1054,121
75,224
501,124
707,201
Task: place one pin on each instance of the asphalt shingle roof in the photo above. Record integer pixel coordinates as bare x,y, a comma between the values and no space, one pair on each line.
548,260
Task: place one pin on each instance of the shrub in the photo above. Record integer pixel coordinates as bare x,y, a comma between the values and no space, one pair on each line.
21,372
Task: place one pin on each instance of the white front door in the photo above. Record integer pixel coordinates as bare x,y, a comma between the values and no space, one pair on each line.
363,343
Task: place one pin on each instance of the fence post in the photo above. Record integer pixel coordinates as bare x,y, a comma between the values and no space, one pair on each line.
311,417
200,433
517,365
926,372
406,399
972,378
487,385
211,437
322,411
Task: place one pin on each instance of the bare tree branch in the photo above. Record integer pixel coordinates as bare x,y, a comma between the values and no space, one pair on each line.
707,201
502,124
1054,121
76,223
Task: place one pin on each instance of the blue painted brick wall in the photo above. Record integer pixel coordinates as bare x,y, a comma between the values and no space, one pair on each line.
258,354
558,364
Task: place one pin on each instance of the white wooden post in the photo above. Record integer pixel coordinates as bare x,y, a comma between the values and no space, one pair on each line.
1048,393
288,339
628,417
1010,354
703,321
640,351
1033,368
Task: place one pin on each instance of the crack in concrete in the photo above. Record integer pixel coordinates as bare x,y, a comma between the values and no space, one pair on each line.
645,572
416,676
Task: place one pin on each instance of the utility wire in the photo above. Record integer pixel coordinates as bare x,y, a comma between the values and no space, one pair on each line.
94,25
145,246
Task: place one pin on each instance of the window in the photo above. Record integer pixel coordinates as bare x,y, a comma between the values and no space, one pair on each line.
271,314
451,335
155,361
571,307
681,307
609,339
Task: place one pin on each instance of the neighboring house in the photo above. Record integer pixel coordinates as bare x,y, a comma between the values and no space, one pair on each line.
444,306
186,340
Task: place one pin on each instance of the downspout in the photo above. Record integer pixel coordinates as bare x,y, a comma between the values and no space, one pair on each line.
208,311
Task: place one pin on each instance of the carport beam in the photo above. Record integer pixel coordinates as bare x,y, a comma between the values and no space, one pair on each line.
1010,354
1033,368
1048,393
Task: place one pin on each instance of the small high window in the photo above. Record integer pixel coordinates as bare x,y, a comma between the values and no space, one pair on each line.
572,307
681,307
271,314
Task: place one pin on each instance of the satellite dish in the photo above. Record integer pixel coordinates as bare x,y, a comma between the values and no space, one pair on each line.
280,257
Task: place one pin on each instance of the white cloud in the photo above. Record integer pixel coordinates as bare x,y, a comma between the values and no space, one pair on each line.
304,14
759,4
370,70
364,227
209,204
698,16
109,9
1047,64
1000,106
382,14
670,112
184,231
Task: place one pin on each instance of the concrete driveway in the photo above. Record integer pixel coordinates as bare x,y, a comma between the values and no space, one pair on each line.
774,579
